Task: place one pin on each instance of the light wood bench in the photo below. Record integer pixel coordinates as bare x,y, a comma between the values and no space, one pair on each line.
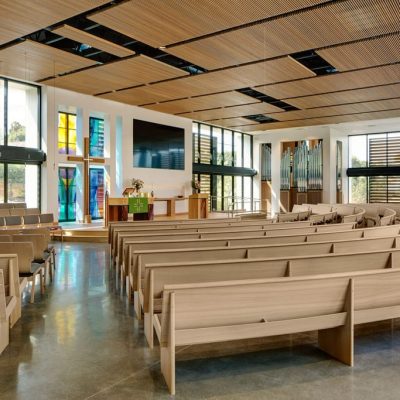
8,302
123,270
9,266
132,247
159,275
332,304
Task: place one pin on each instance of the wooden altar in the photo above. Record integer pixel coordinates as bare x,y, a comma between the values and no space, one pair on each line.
198,206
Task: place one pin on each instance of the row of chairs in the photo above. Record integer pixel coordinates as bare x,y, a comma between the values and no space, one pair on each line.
12,205
5,212
25,256
27,220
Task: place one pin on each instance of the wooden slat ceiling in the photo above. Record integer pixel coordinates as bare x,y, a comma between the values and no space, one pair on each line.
236,111
94,41
22,17
232,122
295,33
276,70
379,105
159,23
367,53
329,83
372,115
128,72
33,61
347,96
202,103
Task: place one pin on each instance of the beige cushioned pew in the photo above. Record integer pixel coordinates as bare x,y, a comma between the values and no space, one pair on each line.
8,302
332,304
159,275
130,258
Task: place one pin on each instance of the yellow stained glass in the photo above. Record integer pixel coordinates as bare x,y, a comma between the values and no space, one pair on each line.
62,135
72,136
72,121
62,120
72,148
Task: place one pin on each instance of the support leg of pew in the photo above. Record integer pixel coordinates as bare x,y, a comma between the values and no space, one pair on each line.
42,275
33,280
148,328
167,348
339,342
128,289
4,334
137,306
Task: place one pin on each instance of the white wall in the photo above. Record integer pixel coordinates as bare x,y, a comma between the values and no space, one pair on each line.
118,147
330,134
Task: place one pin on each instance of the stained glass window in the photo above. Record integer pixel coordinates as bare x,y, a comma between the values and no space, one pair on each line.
96,187
66,133
67,193
96,137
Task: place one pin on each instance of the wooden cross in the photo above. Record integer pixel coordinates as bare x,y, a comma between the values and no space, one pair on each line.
87,161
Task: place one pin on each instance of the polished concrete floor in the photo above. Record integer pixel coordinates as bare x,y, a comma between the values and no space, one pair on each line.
80,341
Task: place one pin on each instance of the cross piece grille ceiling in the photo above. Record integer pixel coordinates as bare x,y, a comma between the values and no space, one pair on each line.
251,65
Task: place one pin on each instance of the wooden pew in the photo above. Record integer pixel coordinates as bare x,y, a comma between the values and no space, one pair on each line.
159,275
8,303
195,228
131,259
281,230
9,266
332,304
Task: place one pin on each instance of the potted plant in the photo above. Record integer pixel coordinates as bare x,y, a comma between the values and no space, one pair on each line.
137,184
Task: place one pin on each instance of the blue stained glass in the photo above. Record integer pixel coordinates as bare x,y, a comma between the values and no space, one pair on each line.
96,137
66,194
96,187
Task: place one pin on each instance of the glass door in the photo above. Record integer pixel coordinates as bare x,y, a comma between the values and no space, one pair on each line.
66,194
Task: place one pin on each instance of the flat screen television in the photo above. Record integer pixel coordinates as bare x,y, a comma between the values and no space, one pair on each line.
158,146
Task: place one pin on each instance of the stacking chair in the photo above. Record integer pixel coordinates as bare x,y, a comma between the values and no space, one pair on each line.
31,211
7,305
17,211
13,220
27,268
31,220
40,255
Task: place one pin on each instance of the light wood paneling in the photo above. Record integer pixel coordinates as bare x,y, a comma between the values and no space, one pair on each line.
379,105
94,41
367,53
117,75
294,33
277,70
159,23
233,122
342,81
33,61
347,96
136,96
233,112
324,120
22,17
202,102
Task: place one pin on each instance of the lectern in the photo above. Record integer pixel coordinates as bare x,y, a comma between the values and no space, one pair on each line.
198,206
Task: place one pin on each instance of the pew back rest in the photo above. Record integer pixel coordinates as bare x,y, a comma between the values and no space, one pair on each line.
13,220
4,212
31,220
9,266
24,252
32,211
38,242
19,205
17,211
300,208
46,218
252,302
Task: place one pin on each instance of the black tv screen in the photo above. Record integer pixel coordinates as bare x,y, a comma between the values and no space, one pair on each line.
158,146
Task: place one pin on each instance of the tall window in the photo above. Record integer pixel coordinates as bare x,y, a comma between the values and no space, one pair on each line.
374,173
66,133
96,137
223,161
20,129
22,115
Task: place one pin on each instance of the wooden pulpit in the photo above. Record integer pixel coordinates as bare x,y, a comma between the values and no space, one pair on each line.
198,206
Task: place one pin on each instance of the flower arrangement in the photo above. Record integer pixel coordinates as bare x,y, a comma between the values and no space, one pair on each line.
196,186
137,184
